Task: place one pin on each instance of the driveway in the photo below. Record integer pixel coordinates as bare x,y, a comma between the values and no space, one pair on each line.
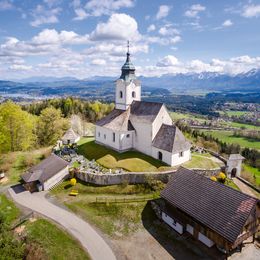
81,230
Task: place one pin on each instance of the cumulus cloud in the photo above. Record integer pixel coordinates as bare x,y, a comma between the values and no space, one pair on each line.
151,28
20,67
5,5
227,23
163,12
43,15
99,62
194,10
168,31
168,61
80,14
250,11
118,27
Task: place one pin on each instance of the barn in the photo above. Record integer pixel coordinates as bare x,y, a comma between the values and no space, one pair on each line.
46,174
210,211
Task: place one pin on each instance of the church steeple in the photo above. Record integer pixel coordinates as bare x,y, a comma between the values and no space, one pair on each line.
128,69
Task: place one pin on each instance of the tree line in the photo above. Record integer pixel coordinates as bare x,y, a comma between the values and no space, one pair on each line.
42,123
90,111
252,156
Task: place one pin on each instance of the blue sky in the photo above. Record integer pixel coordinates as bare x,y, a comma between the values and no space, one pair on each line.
86,38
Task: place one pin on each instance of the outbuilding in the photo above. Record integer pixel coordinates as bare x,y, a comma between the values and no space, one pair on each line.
70,137
210,211
46,174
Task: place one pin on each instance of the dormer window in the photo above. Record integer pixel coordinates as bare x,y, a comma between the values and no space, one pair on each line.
121,94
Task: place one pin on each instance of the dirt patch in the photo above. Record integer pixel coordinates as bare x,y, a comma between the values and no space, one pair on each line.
19,230
4,180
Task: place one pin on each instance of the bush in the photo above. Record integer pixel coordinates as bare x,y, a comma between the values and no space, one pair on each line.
222,177
73,181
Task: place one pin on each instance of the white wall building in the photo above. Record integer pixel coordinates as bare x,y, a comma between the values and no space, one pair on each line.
143,126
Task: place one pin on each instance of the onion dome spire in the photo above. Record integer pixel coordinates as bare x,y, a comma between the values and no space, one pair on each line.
128,69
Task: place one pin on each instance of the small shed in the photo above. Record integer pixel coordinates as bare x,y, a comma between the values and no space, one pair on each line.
70,137
46,174
210,211
234,165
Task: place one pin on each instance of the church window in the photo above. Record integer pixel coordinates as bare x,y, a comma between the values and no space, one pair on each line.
181,154
121,94
114,137
133,94
128,135
105,136
98,134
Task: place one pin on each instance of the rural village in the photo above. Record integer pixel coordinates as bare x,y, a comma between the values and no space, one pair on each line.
133,185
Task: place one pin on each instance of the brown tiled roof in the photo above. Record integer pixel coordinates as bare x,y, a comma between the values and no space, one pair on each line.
45,169
218,207
145,111
171,139
117,120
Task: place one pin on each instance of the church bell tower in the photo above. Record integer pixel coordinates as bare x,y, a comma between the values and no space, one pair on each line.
128,87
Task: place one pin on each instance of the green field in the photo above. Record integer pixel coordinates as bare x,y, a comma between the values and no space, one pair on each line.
251,174
177,116
245,126
227,136
8,209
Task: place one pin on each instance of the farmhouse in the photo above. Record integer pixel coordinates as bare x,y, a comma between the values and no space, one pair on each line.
210,211
46,174
70,137
143,126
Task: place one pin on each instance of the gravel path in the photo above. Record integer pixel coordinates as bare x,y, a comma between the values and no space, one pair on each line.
81,230
243,187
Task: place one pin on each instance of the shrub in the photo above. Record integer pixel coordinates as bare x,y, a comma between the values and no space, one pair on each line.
213,178
222,177
73,181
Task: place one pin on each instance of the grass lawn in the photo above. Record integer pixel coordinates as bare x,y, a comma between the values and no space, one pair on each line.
177,115
114,219
246,126
54,242
15,163
227,136
251,174
237,113
8,209
135,161
130,161
203,161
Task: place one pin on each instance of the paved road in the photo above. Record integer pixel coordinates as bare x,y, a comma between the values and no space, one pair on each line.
243,187
81,230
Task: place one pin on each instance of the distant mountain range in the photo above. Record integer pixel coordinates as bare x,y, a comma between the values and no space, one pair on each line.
98,87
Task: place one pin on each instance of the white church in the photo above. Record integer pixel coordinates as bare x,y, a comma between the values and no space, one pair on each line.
142,126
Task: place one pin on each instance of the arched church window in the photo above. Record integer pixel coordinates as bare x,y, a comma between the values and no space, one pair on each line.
133,94
121,94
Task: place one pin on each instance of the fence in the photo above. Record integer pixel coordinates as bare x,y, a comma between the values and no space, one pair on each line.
126,199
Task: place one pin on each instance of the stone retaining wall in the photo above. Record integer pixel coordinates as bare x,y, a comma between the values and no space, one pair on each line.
135,177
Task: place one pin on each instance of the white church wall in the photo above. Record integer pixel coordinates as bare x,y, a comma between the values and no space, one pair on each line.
105,136
120,101
143,137
130,88
179,158
126,140
166,156
163,117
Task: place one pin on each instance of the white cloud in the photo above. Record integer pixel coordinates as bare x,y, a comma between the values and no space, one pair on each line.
227,23
20,67
99,62
107,7
168,31
168,61
194,10
163,12
118,27
43,15
151,28
5,5
251,11
81,14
